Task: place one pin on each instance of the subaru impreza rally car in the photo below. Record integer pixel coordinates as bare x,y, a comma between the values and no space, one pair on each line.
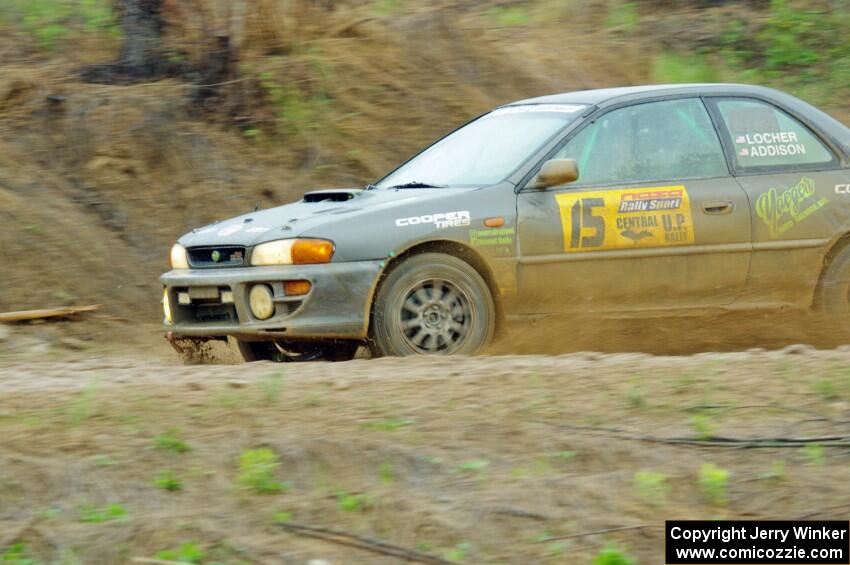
686,198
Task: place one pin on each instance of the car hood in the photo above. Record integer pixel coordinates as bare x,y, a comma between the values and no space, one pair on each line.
317,209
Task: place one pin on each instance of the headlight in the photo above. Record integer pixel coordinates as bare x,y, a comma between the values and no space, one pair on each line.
166,306
293,252
178,257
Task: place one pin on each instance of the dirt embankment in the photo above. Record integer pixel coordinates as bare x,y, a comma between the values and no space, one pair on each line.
97,181
476,460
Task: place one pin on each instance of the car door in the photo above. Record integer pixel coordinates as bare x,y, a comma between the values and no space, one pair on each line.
655,220
795,183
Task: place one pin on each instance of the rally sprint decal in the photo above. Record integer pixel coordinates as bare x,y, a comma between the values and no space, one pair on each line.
626,218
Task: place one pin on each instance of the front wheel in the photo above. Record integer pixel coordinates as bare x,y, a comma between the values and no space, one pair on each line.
432,304
331,350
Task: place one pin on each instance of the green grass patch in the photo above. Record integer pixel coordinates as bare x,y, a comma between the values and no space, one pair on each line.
91,514
53,22
389,425
714,483
170,442
623,15
167,480
651,486
188,552
18,554
509,16
351,502
473,466
612,555
815,454
676,67
257,471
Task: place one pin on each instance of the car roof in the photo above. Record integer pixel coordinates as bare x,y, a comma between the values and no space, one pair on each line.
604,96
836,131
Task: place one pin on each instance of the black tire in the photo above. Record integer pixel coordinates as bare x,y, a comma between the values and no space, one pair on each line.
833,300
333,350
432,304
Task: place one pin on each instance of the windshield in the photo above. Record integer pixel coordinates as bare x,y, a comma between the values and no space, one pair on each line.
486,150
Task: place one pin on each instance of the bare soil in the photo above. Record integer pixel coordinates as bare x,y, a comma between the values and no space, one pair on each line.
470,459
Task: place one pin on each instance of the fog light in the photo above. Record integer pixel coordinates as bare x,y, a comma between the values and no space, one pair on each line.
166,305
183,298
262,305
296,288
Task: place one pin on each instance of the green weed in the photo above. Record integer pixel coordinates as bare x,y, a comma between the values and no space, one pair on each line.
612,555
81,408
776,471
188,552
351,502
509,16
815,454
51,514
296,113
282,517
97,515
389,425
557,548
104,461
635,397
270,387
714,483
473,466
383,8
18,554
170,442
623,15
386,473
827,389
50,22
257,469
167,480
651,486
460,552
682,68
703,426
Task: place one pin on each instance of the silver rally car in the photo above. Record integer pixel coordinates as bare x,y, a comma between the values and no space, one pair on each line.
645,200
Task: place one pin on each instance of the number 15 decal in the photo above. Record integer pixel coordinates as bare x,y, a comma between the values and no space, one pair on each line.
581,216
625,218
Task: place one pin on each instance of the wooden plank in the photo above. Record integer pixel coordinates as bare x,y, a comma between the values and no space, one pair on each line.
64,312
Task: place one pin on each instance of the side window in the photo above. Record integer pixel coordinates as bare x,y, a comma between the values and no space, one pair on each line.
669,140
764,136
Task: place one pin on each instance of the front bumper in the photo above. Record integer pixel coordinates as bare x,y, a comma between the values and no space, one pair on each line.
337,305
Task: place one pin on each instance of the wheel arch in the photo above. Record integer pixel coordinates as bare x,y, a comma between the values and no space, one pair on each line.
835,247
447,247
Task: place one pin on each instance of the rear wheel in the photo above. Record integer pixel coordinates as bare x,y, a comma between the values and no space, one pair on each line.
432,304
834,295
332,350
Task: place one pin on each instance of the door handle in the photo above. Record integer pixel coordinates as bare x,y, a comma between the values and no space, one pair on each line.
718,207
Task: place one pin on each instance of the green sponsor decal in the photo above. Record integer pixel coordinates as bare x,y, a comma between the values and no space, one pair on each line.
491,237
781,211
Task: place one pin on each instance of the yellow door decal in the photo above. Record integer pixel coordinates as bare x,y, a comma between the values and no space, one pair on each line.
626,218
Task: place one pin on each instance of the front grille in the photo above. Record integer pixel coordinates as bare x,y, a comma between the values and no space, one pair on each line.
206,312
216,256
214,313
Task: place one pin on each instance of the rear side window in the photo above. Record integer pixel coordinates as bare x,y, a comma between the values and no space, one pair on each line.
765,136
667,140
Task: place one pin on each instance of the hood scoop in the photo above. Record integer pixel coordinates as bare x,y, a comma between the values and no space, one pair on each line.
332,195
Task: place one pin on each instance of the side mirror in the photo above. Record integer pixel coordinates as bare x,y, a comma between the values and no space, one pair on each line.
556,172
